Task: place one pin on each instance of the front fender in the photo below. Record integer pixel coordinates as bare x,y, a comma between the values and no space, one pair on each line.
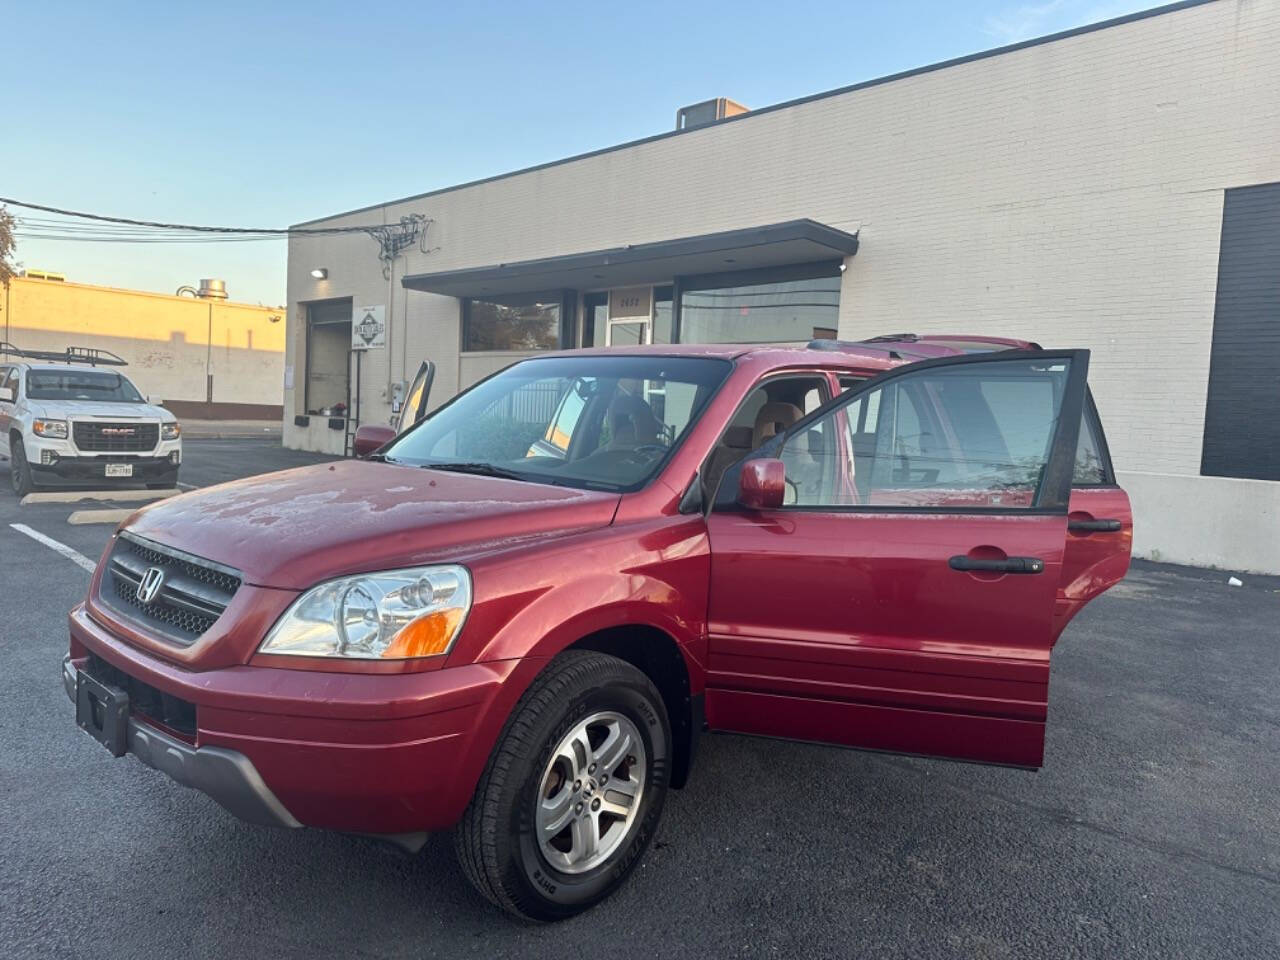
532,604
539,600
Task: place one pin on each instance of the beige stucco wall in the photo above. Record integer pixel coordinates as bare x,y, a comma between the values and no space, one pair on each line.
1069,192
171,343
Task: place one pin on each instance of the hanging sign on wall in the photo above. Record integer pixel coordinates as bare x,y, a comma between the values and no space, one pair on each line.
369,327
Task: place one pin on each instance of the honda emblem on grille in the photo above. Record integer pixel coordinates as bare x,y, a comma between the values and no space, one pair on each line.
149,587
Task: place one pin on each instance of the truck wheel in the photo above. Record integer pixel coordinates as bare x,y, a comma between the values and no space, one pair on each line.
19,469
573,791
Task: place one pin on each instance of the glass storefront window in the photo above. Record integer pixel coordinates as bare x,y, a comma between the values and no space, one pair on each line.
518,322
595,318
662,315
782,310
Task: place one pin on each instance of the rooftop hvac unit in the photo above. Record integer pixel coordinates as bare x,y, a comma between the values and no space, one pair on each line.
708,111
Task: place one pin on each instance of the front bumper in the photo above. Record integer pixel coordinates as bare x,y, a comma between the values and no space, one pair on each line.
386,754
58,461
225,775
80,470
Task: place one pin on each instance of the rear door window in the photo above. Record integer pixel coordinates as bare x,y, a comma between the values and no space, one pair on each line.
972,435
1093,466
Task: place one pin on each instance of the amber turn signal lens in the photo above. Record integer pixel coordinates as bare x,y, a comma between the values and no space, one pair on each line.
427,636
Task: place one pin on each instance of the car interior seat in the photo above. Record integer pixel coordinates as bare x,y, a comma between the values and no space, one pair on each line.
632,423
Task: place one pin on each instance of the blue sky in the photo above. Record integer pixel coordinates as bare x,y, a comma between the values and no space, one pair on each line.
265,114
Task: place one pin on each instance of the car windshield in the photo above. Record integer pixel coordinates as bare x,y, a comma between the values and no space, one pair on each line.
80,385
592,421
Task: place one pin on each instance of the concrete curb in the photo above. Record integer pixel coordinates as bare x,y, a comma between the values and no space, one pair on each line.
81,517
108,496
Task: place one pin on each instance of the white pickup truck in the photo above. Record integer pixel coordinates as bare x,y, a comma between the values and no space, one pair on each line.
71,423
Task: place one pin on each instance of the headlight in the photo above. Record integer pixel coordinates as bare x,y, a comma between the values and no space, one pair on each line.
170,431
392,615
55,429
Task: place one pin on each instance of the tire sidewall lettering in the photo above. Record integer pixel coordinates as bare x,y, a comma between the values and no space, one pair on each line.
572,891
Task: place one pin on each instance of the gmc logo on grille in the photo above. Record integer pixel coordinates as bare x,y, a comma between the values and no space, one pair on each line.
117,431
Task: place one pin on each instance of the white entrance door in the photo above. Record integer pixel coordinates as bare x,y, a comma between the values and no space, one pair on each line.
630,316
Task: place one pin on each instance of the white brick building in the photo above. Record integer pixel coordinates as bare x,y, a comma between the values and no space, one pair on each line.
1115,187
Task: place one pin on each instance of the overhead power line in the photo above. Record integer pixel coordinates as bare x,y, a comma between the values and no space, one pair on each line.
370,229
76,225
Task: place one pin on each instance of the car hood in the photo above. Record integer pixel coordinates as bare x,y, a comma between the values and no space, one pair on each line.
97,409
295,528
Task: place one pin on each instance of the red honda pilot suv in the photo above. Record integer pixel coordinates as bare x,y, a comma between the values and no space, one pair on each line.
517,617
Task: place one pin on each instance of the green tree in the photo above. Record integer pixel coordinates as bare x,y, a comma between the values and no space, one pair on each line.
7,269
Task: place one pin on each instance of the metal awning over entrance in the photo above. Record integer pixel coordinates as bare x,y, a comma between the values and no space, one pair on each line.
778,244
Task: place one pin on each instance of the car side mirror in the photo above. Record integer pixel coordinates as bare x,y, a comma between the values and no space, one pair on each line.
6,395
370,437
762,484
155,401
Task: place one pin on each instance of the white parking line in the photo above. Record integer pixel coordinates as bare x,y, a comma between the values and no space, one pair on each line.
79,559
187,486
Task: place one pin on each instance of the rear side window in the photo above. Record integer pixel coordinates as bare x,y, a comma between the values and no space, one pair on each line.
1093,468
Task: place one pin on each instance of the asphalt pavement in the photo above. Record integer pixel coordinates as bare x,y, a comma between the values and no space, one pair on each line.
1152,831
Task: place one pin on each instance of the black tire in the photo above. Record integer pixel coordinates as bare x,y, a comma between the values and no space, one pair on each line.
495,841
19,469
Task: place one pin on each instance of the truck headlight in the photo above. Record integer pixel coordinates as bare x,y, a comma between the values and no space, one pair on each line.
393,615
53,429
170,431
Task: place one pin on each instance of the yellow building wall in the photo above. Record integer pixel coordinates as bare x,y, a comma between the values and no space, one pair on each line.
179,348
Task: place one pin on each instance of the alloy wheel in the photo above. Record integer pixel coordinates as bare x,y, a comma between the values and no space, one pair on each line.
590,792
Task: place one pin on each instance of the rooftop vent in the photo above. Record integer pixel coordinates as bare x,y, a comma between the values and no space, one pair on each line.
209,290
708,111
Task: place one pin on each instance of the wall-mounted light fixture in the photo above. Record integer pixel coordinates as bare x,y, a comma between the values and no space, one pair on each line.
320,273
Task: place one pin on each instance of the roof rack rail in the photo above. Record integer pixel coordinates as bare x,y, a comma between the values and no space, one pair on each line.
93,356
882,346
894,338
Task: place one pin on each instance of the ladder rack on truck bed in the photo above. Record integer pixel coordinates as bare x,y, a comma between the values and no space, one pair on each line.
93,356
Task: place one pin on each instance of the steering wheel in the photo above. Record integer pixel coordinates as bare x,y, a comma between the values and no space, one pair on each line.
650,449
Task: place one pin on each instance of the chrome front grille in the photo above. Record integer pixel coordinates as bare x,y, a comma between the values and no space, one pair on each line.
192,594
100,436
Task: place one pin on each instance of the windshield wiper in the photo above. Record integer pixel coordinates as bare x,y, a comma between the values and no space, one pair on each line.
381,458
477,467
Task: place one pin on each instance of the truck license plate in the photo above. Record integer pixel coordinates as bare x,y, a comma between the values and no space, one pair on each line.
119,469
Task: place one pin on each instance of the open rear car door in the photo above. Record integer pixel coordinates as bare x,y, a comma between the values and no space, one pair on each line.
903,593
1099,525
